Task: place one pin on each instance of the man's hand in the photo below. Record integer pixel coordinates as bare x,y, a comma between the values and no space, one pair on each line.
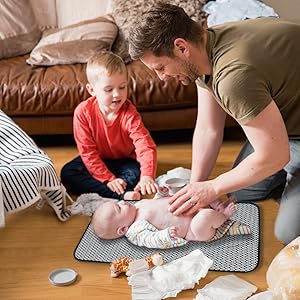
117,185
192,197
147,185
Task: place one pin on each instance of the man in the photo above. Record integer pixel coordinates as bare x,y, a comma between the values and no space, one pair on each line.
251,71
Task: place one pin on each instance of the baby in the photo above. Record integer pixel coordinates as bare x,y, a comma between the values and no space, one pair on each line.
152,225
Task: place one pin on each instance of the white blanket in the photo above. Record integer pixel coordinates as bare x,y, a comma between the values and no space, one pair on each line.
221,11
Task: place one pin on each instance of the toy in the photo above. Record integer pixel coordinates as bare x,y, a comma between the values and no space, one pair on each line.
131,266
86,204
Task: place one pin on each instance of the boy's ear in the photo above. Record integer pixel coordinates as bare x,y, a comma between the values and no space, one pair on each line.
90,89
122,230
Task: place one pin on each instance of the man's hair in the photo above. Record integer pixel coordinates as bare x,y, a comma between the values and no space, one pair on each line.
158,27
104,61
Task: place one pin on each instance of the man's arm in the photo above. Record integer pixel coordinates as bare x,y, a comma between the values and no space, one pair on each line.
208,135
268,136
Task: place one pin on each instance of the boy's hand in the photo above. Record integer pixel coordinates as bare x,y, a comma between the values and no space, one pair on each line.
117,185
147,185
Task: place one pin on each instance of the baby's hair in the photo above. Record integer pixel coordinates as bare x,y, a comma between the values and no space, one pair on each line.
101,225
104,61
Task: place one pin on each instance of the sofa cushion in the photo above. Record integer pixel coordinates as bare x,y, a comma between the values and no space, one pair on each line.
125,12
19,31
74,43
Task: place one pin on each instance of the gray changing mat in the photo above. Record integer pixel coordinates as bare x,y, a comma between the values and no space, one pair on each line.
230,253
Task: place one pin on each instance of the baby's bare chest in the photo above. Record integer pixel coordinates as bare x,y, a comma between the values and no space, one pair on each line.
156,212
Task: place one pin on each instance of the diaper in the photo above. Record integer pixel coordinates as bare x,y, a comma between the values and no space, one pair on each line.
168,280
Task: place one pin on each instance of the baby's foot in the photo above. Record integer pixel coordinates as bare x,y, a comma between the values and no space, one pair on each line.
132,196
229,209
223,204
173,231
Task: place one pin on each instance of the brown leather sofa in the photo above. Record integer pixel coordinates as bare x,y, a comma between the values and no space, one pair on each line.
42,99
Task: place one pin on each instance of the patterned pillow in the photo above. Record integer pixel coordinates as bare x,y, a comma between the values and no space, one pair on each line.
125,13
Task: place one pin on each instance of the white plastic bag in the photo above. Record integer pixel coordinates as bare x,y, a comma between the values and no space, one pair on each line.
283,275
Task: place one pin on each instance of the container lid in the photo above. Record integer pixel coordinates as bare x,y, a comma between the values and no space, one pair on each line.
62,277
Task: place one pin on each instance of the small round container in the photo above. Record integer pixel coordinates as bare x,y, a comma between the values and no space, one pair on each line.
62,277
174,185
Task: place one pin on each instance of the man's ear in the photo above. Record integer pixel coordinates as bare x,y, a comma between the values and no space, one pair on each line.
122,230
181,47
90,89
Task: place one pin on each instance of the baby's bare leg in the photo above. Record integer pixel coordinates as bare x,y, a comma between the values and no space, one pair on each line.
204,224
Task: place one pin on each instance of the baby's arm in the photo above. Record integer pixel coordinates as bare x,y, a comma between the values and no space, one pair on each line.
142,233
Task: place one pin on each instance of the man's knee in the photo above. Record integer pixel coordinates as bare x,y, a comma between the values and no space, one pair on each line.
259,192
285,232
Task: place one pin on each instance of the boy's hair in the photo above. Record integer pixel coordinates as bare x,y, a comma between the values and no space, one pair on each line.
104,62
157,29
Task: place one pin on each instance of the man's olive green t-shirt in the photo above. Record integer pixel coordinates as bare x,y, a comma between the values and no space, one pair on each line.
253,62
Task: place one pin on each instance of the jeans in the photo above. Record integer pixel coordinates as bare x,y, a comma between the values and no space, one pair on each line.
77,179
285,185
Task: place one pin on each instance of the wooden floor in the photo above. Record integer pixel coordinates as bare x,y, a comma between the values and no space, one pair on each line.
34,243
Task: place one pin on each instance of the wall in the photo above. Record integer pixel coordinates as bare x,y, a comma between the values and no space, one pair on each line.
287,9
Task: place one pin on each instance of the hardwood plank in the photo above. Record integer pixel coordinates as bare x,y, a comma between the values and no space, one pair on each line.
34,243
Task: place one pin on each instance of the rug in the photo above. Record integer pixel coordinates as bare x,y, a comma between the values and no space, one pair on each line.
230,253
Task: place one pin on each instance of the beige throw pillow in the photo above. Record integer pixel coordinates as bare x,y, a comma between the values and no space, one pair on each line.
19,31
74,43
125,12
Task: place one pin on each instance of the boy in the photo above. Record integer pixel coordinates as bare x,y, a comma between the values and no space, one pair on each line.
117,156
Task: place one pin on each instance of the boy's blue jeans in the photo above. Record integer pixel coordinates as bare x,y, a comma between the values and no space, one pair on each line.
285,185
77,179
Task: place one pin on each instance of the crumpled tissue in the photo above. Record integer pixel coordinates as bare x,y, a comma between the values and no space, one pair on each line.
266,295
228,287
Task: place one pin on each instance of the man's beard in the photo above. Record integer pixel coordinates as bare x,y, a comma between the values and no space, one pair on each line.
192,72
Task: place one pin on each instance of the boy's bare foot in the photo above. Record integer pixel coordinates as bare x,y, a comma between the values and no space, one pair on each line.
132,196
229,209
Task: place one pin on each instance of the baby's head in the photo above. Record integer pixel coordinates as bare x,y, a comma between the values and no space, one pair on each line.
112,219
